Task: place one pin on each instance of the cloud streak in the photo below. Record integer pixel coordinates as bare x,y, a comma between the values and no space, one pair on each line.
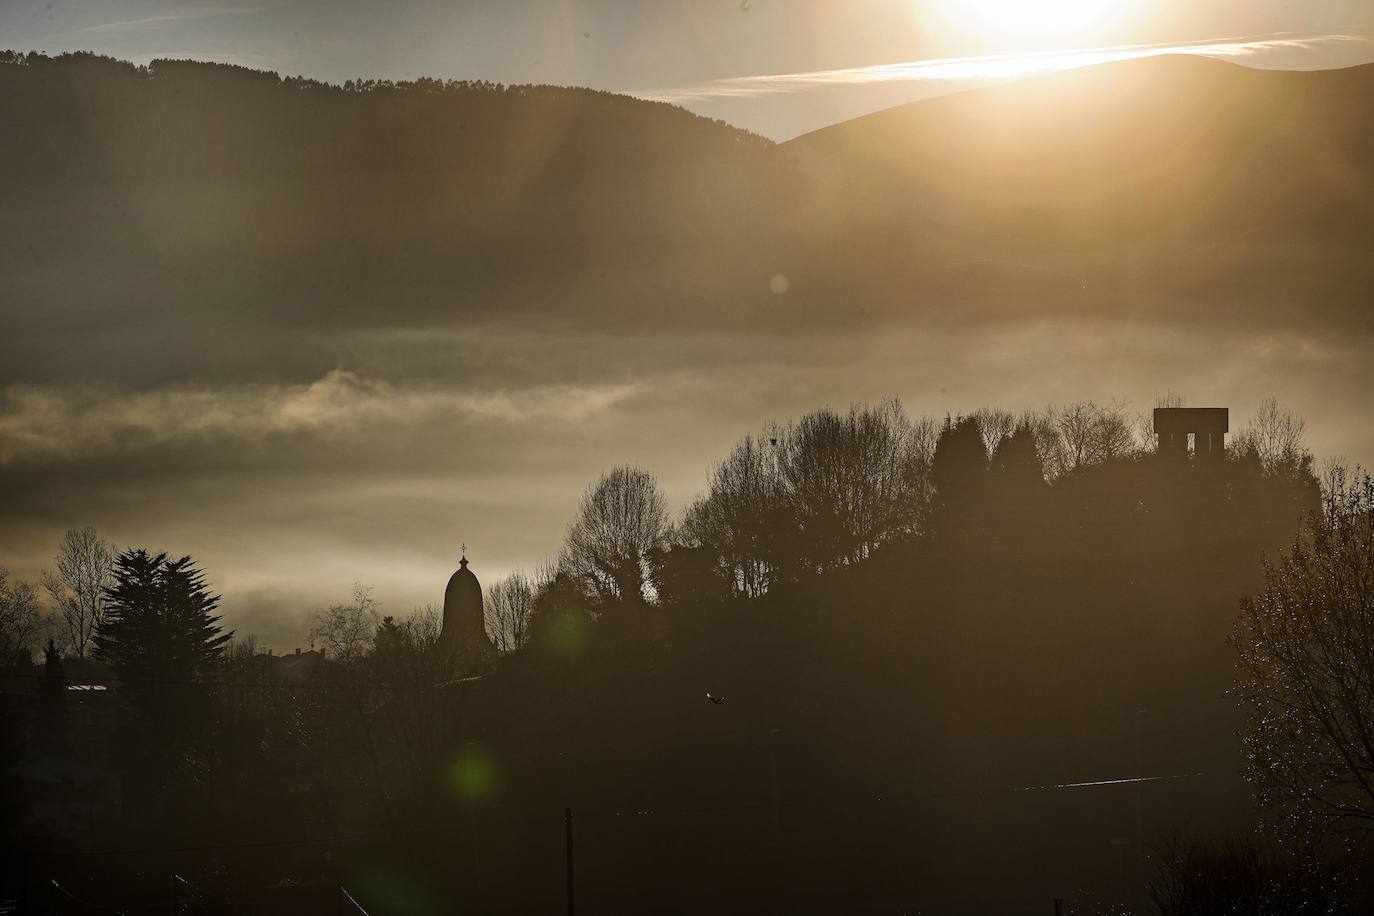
988,67
180,15
40,423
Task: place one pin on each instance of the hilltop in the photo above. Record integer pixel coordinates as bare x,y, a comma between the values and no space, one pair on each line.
290,215
1180,187
191,188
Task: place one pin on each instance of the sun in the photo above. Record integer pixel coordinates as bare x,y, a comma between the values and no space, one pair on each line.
1037,18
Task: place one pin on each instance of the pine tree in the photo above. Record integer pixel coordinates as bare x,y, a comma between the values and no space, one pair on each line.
959,472
159,620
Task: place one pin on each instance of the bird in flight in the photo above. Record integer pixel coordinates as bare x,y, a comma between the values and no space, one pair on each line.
715,699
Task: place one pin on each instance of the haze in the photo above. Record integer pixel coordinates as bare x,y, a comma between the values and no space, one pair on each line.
191,366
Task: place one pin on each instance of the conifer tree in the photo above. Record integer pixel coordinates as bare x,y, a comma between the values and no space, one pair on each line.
160,622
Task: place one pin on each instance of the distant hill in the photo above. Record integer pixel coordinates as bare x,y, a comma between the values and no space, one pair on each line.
157,193
235,217
1178,186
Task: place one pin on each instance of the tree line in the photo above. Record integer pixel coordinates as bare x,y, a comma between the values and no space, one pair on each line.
236,74
836,503
832,488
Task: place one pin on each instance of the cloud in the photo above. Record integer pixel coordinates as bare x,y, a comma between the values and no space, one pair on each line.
994,66
176,15
290,492
38,423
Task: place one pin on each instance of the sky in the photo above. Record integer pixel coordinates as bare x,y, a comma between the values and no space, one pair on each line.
387,444
845,58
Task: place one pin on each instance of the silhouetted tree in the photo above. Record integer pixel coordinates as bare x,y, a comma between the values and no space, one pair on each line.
1017,478
509,607
1243,875
995,424
162,638
1017,460
852,481
622,520
686,572
21,619
822,492
78,585
159,622
409,718
958,472
345,631
1306,645
560,607
743,517
1275,438
1083,434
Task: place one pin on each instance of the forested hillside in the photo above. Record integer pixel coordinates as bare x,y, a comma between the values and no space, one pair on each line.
206,195
187,192
1171,187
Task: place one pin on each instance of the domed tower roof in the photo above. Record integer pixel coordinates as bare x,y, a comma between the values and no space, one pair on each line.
465,631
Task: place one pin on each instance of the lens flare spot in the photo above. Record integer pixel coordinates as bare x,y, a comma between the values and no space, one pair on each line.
474,776
778,284
566,633
403,893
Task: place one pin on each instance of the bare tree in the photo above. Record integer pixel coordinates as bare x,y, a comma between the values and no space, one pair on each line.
1083,434
622,520
995,424
510,607
85,564
346,631
853,481
823,491
1245,874
738,515
1275,437
1115,438
21,619
1306,646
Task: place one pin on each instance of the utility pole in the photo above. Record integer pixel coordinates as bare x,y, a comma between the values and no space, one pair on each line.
568,832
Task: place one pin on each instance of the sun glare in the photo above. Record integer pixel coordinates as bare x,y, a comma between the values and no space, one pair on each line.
1037,17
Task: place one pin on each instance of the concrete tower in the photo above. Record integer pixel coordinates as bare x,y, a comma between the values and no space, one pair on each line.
1207,425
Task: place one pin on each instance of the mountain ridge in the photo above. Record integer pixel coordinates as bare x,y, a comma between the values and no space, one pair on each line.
303,215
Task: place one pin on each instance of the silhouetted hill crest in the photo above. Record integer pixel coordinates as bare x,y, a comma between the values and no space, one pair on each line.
184,195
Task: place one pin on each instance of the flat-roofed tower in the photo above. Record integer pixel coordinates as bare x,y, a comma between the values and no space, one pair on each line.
1208,426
